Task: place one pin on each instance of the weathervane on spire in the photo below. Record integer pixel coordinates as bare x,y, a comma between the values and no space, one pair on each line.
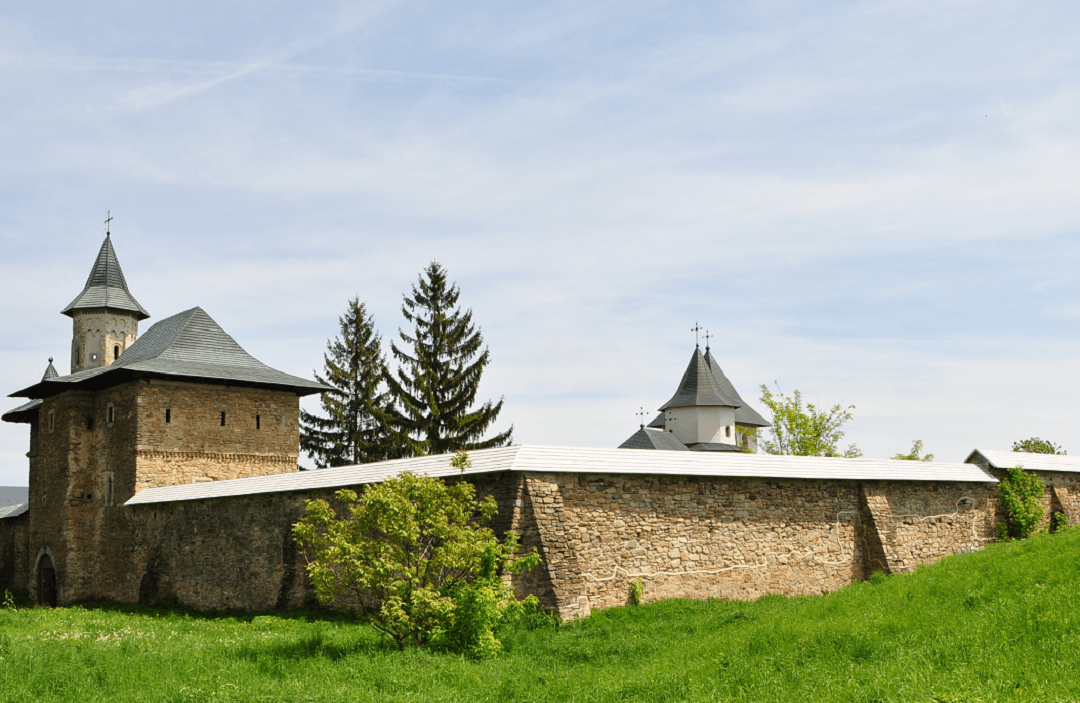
695,329
641,414
108,219
707,338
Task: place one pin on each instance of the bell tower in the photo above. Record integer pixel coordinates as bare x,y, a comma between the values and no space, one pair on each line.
105,315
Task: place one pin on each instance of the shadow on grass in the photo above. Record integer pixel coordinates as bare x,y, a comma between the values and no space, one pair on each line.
177,610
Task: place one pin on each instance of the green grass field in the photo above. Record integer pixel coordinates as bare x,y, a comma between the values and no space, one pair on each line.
998,625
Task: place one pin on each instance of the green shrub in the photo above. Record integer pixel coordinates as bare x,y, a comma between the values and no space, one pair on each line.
637,590
878,577
1058,521
1021,498
409,554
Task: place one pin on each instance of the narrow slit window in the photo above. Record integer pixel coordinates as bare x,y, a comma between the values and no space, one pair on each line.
257,423
52,421
168,415
108,489
728,429
222,418
116,352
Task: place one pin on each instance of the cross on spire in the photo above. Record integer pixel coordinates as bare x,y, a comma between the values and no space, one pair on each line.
108,219
641,414
707,338
695,329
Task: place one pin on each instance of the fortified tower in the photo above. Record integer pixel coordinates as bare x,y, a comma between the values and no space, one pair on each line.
105,315
183,403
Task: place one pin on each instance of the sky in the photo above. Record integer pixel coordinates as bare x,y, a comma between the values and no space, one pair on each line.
874,203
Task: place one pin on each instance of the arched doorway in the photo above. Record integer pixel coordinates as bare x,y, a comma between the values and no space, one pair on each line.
46,582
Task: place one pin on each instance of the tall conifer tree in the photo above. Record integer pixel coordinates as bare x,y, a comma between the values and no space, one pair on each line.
351,431
439,373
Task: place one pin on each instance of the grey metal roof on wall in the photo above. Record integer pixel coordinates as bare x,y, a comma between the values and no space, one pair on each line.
106,287
658,421
997,459
653,439
13,510
584,461
187,346
697,387
744,415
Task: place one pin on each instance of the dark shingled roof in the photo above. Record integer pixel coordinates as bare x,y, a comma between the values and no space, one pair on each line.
713,447
652,439
26,413
106,287
744,415
698,388
659,421
189,346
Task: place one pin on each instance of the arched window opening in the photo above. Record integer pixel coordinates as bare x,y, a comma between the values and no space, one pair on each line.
116,352
728,430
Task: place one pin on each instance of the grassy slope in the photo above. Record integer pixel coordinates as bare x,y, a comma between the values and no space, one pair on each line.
999,625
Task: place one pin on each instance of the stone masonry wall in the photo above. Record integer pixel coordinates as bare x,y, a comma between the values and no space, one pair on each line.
13,558
261,434
909,523
690,537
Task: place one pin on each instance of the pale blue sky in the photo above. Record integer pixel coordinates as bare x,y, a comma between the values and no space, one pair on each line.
875,203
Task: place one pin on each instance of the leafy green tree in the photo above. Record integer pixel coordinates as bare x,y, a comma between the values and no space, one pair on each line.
439,374
1021,495
354,367
1037,446
805,430
913,455
409,554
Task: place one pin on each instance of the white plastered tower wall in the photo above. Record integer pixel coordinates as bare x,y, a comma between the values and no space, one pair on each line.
702,424
100,336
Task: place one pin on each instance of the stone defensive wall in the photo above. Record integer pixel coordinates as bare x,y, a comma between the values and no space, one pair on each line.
686,524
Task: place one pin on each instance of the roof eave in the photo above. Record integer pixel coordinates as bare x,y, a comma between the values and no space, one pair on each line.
47,389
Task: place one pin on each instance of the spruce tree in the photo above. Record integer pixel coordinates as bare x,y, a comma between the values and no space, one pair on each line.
351,432
439,373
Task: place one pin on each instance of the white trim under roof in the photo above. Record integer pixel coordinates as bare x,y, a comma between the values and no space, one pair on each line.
580,460
1027,460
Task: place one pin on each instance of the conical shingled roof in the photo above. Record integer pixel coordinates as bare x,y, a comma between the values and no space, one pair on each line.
106,287
744,415
188,346
698,388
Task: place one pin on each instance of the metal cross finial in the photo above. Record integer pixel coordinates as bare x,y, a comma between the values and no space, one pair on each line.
695,329
707,338
108,216
641,414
